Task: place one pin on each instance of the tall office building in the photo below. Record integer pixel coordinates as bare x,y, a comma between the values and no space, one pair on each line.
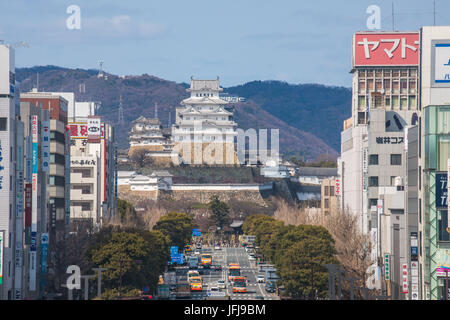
372,162
433,238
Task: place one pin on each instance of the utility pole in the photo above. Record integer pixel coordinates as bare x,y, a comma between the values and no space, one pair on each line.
393,25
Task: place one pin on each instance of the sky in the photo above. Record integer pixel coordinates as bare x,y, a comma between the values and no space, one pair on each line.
238,40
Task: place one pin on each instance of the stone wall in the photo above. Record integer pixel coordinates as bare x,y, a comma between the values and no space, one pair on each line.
125,193
203,196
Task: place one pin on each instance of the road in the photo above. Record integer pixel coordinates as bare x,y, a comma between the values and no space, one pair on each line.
223,257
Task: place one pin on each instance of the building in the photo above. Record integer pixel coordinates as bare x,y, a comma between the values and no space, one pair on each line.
384,103
328,197
204,129
433,241
93,167
149,135
59,141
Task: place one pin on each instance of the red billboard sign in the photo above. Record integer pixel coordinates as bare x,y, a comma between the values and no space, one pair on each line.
386,49
81,130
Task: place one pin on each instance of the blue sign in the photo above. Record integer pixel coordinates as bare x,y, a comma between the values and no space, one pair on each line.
173,250
177,258
196,233
441,191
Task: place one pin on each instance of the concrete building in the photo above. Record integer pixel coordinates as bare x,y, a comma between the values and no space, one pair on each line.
204,130
433,165
93,178
59,141
384,103
329,202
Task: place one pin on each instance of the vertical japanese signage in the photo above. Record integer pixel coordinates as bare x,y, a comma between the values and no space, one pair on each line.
34,202
1,165
387,271
441,191
19,214
337,187
28,209
404,278
45,146
448,206
364,168
386,49
44,260
2,233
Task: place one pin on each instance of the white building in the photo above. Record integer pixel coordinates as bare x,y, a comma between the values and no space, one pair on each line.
93,176
204,130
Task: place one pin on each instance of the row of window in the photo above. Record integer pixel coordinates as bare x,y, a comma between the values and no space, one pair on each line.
329,191
373,181
396,159
206,118
393,102
395,73
203,94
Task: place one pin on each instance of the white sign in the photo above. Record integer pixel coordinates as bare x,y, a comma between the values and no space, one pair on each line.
216,294
337,187
380,206
94,129
442,63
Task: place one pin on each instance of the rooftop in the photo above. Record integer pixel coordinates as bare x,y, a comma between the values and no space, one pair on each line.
197,85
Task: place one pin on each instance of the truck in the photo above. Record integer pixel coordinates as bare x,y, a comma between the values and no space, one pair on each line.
183,290
163,291
170,278
193,262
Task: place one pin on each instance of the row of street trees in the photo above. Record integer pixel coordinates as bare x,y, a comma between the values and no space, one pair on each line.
298,252
133,254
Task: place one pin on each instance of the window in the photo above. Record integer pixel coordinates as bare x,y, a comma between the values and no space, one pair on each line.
57,158
326,191
56,181
85,172
85,205
332,191
326,204
442,226
392,180
373,159
3,124
396,159
373,181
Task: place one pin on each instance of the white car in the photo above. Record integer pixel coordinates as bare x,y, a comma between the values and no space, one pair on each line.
217,248
221,284
251,257
260,279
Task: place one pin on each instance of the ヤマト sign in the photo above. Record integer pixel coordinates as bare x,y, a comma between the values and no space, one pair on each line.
386,49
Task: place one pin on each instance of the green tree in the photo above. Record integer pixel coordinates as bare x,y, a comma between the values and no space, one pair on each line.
301,267
177,227
220,211
126,210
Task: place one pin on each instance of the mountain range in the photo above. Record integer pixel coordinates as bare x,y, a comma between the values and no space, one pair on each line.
309,116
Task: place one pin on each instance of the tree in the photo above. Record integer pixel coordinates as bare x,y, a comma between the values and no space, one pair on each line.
220,211
140,158
126,210
301,267
134,259
177,227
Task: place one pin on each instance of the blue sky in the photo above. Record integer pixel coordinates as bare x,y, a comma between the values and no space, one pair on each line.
291,40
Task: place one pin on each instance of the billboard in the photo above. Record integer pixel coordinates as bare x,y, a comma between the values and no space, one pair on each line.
79,130
2,233
45,146
94,129
441,191
385,49
441,63
44,259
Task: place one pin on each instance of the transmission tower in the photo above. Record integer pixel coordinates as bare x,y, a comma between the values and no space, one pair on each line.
121,121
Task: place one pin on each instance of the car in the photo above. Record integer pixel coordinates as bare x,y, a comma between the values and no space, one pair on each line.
197,252
216,267
214,288
251,257
221,284
259,298
217,247
260,278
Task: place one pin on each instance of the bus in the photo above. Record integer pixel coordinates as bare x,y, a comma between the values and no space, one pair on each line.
187,248
233,271
196,283
192,273
240,284
206,260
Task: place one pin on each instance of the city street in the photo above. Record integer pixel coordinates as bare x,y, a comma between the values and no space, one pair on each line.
223,257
